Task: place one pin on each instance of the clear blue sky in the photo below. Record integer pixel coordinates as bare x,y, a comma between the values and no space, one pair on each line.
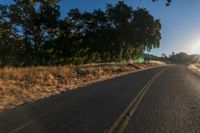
180,21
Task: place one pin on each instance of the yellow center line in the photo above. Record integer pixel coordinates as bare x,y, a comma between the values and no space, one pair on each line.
122,121
114,126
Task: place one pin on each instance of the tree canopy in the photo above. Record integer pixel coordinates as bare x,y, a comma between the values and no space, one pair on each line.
32,33
184,58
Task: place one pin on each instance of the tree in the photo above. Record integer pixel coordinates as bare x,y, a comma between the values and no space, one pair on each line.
167,2
32,33
37,20
180,58
135,30
9,40
164,56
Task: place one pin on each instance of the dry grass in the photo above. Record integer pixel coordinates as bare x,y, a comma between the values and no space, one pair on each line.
157,62
22,85
195,68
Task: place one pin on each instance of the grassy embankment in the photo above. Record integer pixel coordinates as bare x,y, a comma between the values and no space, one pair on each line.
195,68
23,85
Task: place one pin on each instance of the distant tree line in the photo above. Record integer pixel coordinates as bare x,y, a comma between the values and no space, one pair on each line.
184,58
152,57
33,33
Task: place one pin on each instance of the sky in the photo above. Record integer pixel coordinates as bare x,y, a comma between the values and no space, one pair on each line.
180,21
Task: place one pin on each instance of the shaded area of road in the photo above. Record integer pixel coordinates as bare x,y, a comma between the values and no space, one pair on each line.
170,105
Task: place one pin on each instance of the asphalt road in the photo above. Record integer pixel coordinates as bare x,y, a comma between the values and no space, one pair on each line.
159,100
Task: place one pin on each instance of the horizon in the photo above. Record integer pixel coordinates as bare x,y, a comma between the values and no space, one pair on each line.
180,22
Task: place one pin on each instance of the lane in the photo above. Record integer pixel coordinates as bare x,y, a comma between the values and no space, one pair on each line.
89,109
122,121
172,105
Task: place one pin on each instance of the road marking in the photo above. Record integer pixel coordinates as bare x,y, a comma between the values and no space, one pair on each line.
21,127
122,121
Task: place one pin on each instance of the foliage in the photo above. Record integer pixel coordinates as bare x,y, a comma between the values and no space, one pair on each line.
184,58
167,2
32,33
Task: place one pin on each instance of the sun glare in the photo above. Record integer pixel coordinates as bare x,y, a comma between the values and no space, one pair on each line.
196,48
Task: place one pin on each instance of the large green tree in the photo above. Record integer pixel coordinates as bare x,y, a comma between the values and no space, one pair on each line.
10,47
135,30
37,20
32,33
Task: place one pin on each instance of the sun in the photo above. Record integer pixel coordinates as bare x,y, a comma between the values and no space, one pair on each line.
196,48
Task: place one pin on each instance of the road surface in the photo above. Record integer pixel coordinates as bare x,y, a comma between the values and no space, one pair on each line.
160,100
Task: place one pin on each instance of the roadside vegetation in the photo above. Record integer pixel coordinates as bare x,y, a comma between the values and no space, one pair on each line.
43,54
194,68
192,62
23,85
184,58
32,33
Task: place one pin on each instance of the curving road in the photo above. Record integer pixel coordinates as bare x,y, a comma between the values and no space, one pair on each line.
159,100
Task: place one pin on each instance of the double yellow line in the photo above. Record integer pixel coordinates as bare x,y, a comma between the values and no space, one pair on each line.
122,121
